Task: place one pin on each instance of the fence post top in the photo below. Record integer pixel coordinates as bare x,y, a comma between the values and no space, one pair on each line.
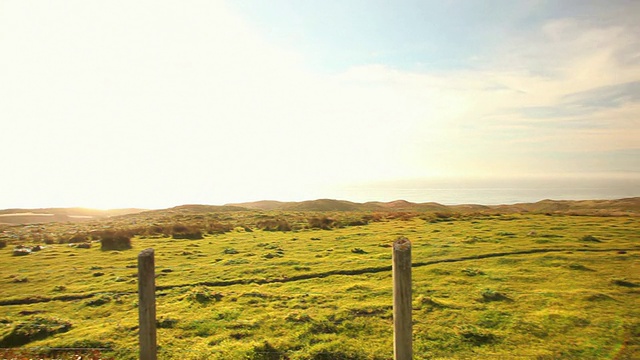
401,244
146,253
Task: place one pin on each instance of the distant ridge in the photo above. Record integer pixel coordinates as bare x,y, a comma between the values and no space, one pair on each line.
209,208
615,207
618,207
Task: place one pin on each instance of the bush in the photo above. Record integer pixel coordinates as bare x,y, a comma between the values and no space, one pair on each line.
401,215
357,222
3,243
220,228
323,223
21,251
274,225
38,329
115,240
155,230
180,231
78,238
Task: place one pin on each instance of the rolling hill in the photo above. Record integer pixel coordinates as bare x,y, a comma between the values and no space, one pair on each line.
619,207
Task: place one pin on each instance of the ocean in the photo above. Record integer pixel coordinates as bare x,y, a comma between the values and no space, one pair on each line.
492,191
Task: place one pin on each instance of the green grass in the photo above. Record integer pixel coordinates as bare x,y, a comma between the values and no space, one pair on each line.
486,286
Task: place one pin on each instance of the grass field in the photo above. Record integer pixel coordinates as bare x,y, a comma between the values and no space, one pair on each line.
524,286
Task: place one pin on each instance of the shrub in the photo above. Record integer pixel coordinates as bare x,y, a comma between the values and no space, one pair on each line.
324,223
274,225
78,238
115,240
220,228
3,243
21,251
38,329
180,231
372,218
401,215
155,229
357,222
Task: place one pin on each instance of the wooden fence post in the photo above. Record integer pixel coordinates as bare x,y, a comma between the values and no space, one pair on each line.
147,305
402,323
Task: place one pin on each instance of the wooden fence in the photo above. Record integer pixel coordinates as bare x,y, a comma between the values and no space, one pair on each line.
402,321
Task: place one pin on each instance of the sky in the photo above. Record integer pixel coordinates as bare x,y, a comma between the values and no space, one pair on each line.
160,103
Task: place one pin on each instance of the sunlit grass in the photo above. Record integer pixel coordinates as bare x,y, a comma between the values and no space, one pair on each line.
573,301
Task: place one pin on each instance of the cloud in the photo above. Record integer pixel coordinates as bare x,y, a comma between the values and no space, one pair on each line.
193,103
606,96
588,102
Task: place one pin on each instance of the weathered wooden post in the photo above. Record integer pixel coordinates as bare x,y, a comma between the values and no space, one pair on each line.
147,305
402,323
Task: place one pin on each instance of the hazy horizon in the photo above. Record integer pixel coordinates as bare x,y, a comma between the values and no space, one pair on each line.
446,191
155,104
